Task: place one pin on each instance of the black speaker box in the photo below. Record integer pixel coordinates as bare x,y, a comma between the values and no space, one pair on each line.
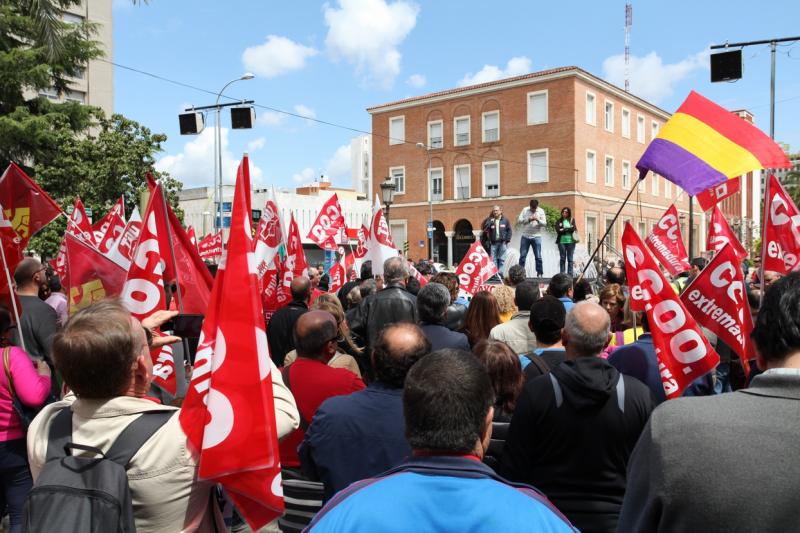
191,123
726,66
242,118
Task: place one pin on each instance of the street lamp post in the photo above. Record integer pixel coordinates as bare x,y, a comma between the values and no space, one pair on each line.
387,194
430,200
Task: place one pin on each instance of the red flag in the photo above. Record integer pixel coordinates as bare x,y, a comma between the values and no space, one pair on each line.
711,197
269,236
475,268
210,248
380,247
192,236
782,235
338,272
718,300
92,276
683,352
666,243
114,215
294,264
720,234
122,250
361,247
79,223
328,223
12,254
25,204
414,272
143,293
229,413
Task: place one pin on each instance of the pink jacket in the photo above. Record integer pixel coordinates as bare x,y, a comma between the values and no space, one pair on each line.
32,390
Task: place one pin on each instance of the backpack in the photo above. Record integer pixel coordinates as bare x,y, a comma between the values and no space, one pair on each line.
89,493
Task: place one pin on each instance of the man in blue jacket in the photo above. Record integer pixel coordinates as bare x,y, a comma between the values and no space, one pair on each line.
447,403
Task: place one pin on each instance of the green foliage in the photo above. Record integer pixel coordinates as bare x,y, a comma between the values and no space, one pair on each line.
792,184
553,214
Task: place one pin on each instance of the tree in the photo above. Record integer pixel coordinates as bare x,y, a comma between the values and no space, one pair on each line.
792,183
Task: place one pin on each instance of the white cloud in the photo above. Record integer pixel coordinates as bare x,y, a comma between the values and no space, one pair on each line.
271,118
256,144
278,55
338,168
416,80
306,175
516,66
650,78
305,111
194,166
367,33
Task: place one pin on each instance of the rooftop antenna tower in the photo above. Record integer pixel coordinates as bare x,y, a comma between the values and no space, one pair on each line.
628,24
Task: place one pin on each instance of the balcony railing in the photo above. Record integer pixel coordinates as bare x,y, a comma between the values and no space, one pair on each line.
436,142
491,135
462,139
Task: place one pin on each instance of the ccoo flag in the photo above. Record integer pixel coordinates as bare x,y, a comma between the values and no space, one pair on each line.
703,145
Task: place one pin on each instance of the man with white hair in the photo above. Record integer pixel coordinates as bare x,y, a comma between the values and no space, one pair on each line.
574,429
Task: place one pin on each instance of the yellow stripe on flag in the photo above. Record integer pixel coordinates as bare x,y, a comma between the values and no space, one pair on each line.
706,143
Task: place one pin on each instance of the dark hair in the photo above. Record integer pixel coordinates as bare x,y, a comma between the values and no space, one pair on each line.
699,262
432,302
367,287
615,275
5,320
569,211
446,398
316,336
581,290
516,275
777,327
559,285
324,282
55,283
505,372
482,315
96,350
547,319
449,280
397,348
26,269
525,294
754,298
366,270
534,203
413,285
424,267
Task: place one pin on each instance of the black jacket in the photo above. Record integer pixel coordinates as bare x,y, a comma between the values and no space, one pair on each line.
561,230
571,436
389,305
454,319
280,331
488,234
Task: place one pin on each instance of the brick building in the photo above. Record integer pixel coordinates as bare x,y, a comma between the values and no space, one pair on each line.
563,136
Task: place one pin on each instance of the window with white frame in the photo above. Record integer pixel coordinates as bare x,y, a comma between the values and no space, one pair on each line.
609,171
397,130
626,175
75,96
654,184
591,231
591,108
462,181
626,123
537,107
399,231
642,225
491,126
435,134
608,116
538,166
642,185
398,175
436,181
654,127
611,240
591,166
461,128
640,129
71,18
667,189
491,179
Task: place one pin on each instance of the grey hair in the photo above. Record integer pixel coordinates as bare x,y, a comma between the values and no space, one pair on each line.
432,302
394,269
587,338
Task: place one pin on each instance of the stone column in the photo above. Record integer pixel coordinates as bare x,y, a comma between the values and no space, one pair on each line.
449,235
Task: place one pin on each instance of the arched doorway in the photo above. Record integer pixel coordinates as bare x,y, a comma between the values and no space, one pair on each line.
462,239
439,242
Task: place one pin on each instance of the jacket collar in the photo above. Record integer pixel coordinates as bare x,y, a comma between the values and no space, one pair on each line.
521,314
113,407
776,386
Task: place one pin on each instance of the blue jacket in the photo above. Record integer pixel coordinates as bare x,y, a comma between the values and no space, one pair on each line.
442,494
639,361
354,437
441,337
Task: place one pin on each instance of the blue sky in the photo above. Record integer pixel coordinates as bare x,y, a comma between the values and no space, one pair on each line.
333,60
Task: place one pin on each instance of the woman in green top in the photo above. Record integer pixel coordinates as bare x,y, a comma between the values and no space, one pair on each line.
565,227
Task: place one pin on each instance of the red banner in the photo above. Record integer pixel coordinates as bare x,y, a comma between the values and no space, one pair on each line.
25,204
92,276
683,352
666,243
419,277
269,236
782,235
229,411
475,268
711,197
12,254
718,300
294,264
361,247
101,227
210,247
720,234
192,236
122,250
79,223
328,224
337,276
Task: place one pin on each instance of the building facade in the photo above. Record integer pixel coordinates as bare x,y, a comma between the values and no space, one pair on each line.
361,165
562,136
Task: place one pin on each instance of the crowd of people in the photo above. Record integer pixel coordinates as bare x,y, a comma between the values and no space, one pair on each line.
402,407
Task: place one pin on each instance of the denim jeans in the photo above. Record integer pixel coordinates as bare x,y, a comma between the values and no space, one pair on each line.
536,243
16,480
722,379
498,249
565,252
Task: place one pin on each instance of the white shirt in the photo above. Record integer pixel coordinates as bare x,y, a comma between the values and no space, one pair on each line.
532,228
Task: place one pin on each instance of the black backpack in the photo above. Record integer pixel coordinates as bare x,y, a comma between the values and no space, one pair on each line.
88,494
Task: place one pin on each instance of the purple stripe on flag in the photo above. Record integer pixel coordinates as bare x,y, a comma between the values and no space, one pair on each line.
680,166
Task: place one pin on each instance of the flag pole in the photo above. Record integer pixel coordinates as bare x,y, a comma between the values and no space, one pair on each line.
171,249
642,175
12,293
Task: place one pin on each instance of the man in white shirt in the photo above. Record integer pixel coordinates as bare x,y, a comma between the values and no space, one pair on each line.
532,220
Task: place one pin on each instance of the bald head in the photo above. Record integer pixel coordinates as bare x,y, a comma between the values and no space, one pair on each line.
300,288
315,335
29,274
399,346
586,330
